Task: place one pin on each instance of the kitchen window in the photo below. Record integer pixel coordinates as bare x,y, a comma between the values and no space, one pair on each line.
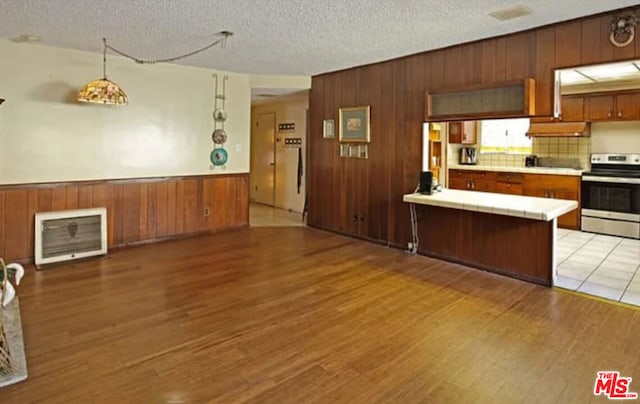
505,136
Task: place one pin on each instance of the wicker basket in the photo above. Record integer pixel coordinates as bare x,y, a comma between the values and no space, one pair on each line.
5,357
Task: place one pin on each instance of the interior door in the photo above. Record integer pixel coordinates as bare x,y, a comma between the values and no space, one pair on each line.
263,148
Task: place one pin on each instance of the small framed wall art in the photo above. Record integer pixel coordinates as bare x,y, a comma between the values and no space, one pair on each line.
355,125
328,131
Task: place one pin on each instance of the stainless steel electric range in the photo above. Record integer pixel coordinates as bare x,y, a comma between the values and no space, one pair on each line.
611,195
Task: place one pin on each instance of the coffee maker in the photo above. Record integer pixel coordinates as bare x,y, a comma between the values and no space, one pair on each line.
468,155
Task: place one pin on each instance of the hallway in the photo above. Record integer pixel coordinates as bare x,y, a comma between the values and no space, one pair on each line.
266,216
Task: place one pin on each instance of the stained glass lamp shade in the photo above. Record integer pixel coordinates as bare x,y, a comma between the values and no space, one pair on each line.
103,91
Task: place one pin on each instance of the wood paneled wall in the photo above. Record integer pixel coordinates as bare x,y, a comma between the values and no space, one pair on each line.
371,190
137,210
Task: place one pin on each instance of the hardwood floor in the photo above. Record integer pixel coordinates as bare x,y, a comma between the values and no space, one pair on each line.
277,315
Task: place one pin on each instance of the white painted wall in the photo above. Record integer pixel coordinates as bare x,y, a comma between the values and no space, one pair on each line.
615,137
45,135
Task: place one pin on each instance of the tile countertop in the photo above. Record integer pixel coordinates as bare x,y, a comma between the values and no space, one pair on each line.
532,170
528,207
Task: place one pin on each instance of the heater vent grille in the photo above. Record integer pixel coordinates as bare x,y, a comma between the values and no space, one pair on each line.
67,235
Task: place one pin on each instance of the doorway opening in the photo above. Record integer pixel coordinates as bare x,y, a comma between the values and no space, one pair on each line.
263,159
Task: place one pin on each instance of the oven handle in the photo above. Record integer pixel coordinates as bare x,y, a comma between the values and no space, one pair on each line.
616,180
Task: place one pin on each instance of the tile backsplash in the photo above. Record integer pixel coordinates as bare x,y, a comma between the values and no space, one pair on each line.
564,147
578,148
501,159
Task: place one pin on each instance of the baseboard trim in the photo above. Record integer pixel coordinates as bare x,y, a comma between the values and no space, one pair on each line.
173,237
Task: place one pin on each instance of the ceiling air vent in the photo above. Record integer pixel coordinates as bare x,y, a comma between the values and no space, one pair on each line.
511,13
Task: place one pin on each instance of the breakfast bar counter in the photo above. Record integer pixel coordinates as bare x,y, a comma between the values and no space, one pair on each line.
508,234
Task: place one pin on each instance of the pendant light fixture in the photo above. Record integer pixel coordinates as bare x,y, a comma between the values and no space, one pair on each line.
103,91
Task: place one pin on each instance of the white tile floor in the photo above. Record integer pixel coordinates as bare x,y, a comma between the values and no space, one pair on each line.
599,265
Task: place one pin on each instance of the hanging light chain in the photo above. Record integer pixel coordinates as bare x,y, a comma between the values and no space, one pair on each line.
104,58
222,41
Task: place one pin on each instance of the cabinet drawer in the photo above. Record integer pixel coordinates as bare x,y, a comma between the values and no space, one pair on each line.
473,175
509,177
534,182
482,175
483,186
508,188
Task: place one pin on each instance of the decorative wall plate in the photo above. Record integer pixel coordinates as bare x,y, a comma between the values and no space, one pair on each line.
219,115
219,136
219,157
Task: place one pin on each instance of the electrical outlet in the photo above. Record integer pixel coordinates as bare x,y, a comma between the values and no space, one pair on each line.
410,245
206,211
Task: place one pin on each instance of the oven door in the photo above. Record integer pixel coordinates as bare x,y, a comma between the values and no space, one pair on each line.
611,194
611,205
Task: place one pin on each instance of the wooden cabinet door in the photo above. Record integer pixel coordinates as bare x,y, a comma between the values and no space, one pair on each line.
542,119
600,107
508,188
572,109
572,219
455,132
556,186
482,186
469,132
628,106
537,192
458,183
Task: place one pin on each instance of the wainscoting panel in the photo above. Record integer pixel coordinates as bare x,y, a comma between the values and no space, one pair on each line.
138,210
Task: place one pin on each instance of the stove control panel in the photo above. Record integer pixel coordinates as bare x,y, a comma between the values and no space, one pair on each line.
626,159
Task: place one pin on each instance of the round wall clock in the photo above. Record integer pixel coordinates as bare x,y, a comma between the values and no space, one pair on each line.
219,157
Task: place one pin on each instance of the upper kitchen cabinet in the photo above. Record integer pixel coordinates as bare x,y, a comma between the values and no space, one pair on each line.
462,132
572,109
509,99
606,92
613,107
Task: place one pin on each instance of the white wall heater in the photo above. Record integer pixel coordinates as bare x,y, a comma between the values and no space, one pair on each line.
70,234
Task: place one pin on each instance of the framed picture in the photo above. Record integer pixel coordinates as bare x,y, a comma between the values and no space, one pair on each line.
354,124
363,151
344,150
354,150
328,131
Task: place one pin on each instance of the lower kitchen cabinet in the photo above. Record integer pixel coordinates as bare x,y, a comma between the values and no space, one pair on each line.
483,181
570,220
538,185
508,183
508,188
558,187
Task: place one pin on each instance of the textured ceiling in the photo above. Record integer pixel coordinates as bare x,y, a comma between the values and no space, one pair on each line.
287,37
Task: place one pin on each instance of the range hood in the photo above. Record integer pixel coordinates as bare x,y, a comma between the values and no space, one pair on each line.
560,129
